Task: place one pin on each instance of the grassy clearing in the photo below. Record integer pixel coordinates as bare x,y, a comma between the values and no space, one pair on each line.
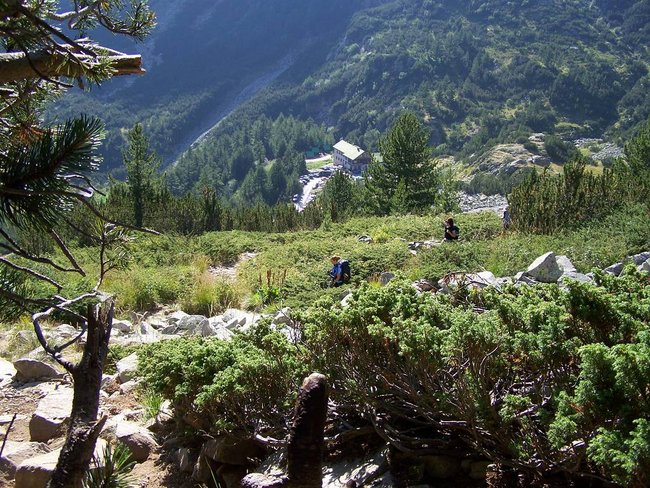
174,270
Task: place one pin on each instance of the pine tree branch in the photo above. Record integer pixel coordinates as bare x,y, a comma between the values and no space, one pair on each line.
35,274
19,66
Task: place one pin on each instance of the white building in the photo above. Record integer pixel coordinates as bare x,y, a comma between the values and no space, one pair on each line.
350,157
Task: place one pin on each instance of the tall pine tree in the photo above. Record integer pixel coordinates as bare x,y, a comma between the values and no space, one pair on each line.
406,165
142,171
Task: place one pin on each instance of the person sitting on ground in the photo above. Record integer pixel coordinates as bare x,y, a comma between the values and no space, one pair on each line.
340,273
507,220
451,231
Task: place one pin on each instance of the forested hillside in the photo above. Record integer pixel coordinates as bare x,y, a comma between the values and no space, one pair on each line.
478,72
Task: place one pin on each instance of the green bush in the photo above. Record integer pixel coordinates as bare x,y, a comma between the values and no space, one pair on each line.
540,377
246,385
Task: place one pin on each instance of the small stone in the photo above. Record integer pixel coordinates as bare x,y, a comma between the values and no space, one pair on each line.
175,317
130,386
124,326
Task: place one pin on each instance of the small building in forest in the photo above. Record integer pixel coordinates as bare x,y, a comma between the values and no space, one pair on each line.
350,157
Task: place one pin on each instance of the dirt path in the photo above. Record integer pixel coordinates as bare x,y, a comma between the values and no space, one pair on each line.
229,272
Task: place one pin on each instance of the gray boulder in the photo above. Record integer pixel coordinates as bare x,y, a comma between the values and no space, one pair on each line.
386,278
615,269
28,369
52,412
15,453
127,368
640,258
191,324
124,326
645,267
175,317
233,450
565,265
545,269
36,472
137,439
366,239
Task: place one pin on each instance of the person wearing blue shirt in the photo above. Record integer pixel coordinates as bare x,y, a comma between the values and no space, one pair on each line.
340,272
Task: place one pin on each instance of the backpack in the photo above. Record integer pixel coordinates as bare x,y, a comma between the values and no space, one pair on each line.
345,270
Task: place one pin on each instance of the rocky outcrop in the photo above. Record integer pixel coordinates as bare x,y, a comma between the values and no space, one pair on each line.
545,269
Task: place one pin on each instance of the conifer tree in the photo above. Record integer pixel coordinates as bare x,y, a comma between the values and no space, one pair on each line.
141,168
405,157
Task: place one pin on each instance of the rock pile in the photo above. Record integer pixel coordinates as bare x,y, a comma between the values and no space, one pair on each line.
547,268
479,203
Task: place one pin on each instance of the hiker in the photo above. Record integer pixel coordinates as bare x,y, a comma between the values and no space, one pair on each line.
451,230
340,272
507,220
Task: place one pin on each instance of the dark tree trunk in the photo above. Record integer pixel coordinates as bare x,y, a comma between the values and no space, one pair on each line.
77,452
305,451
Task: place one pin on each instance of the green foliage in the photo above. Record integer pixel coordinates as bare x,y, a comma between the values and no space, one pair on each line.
548,202
525,378
209,296
558,150
114,469
404,179
141,170
246,384
152,403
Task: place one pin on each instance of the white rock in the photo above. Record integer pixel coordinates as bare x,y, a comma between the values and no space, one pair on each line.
52,412
137,439
346,300
28,369
565,264
283,317
146,329
124,326
15,453
7,372
545,269
127,368
173,318
129,386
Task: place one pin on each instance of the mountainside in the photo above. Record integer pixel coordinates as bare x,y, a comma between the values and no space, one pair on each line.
478,73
